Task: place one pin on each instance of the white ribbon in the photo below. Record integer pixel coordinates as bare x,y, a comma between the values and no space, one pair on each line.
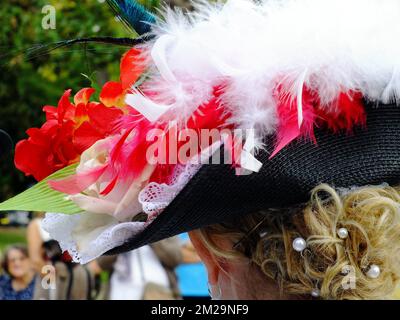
300,89
248,162
149,109
159,55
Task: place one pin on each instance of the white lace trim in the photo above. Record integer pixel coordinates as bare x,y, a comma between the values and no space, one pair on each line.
87,236
155,197
99,240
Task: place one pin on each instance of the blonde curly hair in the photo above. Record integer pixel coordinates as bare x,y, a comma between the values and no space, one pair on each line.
336,267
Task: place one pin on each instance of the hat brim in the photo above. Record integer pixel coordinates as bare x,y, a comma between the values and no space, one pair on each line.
367,156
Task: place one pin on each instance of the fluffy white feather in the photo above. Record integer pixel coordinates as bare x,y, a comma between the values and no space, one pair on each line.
330,45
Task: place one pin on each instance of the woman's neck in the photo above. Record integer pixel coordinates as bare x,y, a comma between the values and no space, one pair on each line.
246,281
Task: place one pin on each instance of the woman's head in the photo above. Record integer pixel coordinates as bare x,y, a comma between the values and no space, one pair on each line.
254,257
16,261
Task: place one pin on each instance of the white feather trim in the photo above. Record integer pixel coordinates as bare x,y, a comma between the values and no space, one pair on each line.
330,45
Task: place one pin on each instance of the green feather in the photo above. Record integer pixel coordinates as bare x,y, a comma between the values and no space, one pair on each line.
41,197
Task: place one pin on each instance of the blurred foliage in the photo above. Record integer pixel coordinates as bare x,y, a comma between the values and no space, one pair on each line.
11,235
29,83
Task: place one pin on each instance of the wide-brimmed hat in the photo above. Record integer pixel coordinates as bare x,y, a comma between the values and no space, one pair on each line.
368,156
313,88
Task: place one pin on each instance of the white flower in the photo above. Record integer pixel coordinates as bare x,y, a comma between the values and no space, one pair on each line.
122,202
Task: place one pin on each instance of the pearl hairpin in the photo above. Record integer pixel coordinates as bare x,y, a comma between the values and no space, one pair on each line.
263,233
374,271
315,293
299,244
343,233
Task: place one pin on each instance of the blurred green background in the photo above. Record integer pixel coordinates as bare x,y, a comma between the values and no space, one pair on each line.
11,235
30,82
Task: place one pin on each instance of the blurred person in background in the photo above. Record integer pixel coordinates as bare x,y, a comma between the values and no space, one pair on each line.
147,273
192,273
36,237
1,274
18,281
71,281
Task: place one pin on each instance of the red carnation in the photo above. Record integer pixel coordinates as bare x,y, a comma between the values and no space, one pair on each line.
69,130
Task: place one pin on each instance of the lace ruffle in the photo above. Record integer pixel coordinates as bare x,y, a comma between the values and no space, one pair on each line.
87,236
155,197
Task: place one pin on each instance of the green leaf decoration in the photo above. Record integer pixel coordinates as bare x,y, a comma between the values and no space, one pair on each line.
41,197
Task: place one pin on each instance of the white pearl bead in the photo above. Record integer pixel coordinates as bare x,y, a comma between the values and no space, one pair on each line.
299,244
374,271
263,233
343,233
315,293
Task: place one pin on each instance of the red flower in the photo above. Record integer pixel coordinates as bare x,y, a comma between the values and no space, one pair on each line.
69,130
132,66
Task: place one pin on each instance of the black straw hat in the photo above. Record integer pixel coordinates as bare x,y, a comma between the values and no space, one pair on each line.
215,194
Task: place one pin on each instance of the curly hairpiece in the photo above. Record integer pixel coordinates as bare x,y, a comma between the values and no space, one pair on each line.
336,267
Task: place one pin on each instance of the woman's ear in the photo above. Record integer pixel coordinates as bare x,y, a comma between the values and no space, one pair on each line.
208,258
